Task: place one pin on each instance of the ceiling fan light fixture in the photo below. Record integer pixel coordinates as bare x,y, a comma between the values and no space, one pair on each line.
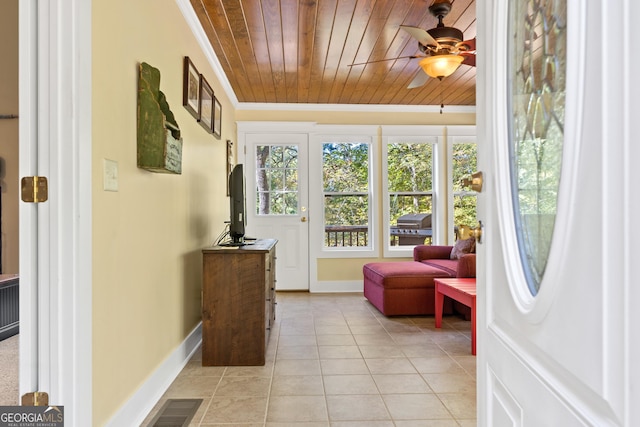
439,66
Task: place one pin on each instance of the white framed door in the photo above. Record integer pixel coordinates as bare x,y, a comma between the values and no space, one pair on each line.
281,210
55,235
564,354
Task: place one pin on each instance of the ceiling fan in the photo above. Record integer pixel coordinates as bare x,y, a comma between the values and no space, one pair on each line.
444,48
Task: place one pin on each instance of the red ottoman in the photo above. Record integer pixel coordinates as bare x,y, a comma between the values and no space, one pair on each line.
402,287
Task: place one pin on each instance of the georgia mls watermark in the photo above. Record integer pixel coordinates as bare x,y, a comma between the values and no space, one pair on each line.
31,416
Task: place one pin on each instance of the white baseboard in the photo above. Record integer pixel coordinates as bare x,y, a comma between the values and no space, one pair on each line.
136,409
337,286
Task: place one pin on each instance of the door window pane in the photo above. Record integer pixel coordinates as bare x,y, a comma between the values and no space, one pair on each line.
277,180
536,102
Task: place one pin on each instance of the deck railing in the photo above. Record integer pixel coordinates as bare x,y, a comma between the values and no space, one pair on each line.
336,236
346,235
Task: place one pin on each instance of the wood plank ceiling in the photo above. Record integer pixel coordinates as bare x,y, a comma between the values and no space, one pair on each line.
302,51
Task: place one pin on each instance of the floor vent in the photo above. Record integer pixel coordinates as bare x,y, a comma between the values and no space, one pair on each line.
176,413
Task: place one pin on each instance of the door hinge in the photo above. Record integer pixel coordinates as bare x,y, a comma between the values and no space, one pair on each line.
35,189
35,398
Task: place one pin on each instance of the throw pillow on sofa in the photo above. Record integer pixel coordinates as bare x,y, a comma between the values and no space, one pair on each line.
462,247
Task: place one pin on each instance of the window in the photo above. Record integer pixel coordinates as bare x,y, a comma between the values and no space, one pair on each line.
277,180
463,163
410,192
410,185
346,194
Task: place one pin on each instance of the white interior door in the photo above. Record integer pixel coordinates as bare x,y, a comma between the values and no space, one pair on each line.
55,235
555,328
280,209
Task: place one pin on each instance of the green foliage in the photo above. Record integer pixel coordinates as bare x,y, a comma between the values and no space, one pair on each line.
345,167
277,180
464,162
410,167
410,179
345,172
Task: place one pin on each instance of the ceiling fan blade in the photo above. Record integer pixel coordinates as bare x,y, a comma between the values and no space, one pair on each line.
470,45
387,59
419,80
469,59
423,37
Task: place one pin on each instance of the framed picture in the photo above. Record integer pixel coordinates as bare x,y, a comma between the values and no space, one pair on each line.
229,163
217,118
206,105
191,88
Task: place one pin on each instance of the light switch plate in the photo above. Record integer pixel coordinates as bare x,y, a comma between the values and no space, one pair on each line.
110,178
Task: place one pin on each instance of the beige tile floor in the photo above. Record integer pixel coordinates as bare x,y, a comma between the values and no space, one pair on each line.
334,361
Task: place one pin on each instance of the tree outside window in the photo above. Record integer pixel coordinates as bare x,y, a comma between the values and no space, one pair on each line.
464,163
277,180
345,174
410,185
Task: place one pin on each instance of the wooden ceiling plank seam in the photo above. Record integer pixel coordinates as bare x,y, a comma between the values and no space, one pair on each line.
339,33
363,53
459,89
375,27
466,21
240,24
273,29
352,42
236,79
350,85
387,71
231,21
394,82
219,23
307,13
259,48
289,31
205,21
413,96
207,26
360,35
324,26
381,69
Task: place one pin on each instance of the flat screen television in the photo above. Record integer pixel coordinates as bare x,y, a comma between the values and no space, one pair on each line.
238,218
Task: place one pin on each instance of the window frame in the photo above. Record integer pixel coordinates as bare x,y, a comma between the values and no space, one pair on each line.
457,135
346,134
411,135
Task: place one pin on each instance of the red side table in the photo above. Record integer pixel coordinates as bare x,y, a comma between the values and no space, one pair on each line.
462,290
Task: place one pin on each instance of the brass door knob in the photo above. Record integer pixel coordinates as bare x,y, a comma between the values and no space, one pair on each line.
474,181
466,232
303,219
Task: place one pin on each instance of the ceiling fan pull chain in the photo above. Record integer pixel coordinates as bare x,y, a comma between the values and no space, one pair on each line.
441,98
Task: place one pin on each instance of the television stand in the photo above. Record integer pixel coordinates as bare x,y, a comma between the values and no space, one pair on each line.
238,303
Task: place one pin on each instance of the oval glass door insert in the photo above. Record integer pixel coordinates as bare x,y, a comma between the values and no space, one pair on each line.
536,104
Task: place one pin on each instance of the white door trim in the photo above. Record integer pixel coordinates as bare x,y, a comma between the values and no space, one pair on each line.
55,236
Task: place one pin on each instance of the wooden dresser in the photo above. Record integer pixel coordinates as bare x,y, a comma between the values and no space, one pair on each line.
238,303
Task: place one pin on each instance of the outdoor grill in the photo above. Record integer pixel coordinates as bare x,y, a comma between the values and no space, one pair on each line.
412,229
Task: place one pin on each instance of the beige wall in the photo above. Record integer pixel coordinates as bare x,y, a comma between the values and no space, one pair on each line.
358,118
147,236
9,180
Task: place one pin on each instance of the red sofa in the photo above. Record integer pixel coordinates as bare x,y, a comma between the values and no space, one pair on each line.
407,287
